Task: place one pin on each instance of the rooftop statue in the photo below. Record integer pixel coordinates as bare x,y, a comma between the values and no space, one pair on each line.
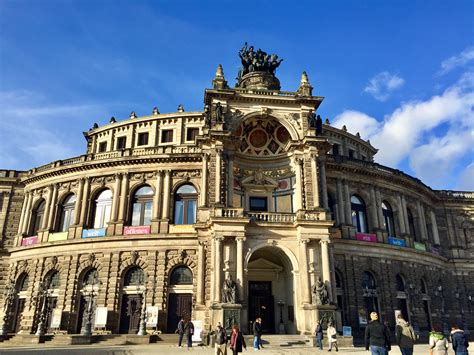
257,61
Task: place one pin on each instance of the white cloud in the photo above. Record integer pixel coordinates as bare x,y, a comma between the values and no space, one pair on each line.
466,179
459,60
411,131
383,84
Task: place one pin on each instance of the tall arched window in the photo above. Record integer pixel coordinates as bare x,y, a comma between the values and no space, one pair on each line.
90,278
388,219
359,214
368,281
181,275
369,289
142,206
37,217
411,225
52,280
103,206
67,213
134,277
423,288
185,204
400,283
22,282
340,294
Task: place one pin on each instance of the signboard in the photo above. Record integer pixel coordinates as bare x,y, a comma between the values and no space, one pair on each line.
56,318
151,316
29,241
197,330
365,237
136,230
57,236
420,246
346,331
100,317
362,316
92,233
435,249
397,242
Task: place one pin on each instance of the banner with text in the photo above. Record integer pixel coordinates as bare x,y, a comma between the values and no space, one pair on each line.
365,237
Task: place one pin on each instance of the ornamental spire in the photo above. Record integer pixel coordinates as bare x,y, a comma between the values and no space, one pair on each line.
305,88
219,81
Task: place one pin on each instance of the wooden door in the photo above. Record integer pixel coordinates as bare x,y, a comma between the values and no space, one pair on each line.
130,314
179,305
261,304
52,302
81,319
19,308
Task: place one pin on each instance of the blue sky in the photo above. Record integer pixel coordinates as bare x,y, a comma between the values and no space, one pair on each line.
400,72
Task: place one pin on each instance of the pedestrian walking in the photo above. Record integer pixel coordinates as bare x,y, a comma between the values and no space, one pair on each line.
319,335
220,345
459,341
438,342
377,338
257,334
332,337
405,336
237,341
189,331
180,332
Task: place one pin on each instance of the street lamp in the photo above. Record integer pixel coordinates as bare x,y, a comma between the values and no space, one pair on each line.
141,286
9,296
280,304
43,294
91,292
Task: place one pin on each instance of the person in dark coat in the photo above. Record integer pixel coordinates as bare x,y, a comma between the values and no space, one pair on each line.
257,334
319,335
459,340
237,341
180,331
377,337
189,331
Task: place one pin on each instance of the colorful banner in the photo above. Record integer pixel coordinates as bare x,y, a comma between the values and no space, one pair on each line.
92,233
420,246
396,241
136,230
57,236
435,249
365,237
29,241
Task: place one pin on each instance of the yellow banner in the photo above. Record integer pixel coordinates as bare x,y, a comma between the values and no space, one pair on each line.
57,236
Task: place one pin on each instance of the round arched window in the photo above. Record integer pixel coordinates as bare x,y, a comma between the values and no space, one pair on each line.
388,219
67,213
52,280
103,206
181,275
91,278
359,214
368,281
22,283
37,217
185,205
400,283
134,277
142,206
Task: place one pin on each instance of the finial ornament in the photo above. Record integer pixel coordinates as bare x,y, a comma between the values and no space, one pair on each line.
219,81
180,108
133,115
305,88
112,120
155,111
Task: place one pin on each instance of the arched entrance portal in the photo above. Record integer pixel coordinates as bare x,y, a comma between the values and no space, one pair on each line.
21,287
180,296
132,296
270,291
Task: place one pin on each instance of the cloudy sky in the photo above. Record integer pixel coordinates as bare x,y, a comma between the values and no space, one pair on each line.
399,72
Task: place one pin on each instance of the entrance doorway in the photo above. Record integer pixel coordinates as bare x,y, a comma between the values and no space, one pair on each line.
130,315
261,304
179,305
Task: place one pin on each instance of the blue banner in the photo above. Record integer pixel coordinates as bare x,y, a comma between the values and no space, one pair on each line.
92,233
396,241
346,331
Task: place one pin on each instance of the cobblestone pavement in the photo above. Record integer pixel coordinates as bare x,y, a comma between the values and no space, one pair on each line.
421,349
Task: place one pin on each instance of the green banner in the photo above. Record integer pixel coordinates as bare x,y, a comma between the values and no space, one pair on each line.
420,246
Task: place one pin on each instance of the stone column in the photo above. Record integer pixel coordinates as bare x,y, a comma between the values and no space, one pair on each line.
230,179
26,220
421,220
314,177
298,184
373,209
123,199
304,275
324,188
401,215
218,176
85,202
204,180
347,205
165,213
240,266
157,196
218,268
405,215
379,208
77,206
48,207
200,274
115,198
326,267
23,212
434,228
340,202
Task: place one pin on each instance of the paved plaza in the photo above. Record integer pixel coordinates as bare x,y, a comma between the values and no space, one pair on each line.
421,349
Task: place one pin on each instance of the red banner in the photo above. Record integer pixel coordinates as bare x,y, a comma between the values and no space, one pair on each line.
365,237
29,241
136,230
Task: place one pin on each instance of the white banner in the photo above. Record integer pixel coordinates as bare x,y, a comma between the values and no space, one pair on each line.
198,324
56,318
151,316
100,317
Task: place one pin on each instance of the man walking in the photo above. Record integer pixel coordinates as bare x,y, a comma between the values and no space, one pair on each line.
189,331
220,345
319,335
405,336
376,336
180,331
257,334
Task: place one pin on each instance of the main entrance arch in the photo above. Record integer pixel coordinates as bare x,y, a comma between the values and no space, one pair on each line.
271,289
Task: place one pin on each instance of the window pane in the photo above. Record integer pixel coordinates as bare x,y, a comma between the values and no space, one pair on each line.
191,212
98,216
186,189
354,220
178,212
136,214
363,224
144,191
108,209
147,213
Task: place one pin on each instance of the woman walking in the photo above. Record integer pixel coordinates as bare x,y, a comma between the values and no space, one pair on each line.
438,342
237,341
332,337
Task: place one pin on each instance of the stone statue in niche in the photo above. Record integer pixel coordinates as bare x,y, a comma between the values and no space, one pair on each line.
320,293
229,291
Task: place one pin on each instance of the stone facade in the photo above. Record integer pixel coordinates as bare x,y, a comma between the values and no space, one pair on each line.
247,188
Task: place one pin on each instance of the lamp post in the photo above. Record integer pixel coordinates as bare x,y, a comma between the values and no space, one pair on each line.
142,330
280,304
411,294
9,296
43,294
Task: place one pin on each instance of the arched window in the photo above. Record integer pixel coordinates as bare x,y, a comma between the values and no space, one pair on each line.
423,288
388,219
359,214
22,283
134,277
103,206
340,294
181,275
400,283
37,217
52,280
411,225
67,213
368,281
91,278
185,204
142,206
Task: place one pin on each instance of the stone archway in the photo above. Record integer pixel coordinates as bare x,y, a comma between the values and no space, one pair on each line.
271,289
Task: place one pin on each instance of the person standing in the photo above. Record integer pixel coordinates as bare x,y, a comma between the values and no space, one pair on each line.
376,336
332,337
180,331
189,331
220,345
237,341
257,334
438,343
459,340
319,335
405,336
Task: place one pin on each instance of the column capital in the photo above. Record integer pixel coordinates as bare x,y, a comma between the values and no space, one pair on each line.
218,238
325,241
240,239
303,241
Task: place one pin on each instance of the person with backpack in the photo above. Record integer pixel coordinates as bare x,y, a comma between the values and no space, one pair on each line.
459,340
319,335
189,331
257,334
377,337
180,332
237,341
332,337
405,336
438,342
220,345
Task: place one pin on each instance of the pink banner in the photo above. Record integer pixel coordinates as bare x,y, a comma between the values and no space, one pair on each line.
29,241
136,230
365,237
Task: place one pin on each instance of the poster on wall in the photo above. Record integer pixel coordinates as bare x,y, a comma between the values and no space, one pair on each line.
198,325
56,318
151,316
100,317
362,316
